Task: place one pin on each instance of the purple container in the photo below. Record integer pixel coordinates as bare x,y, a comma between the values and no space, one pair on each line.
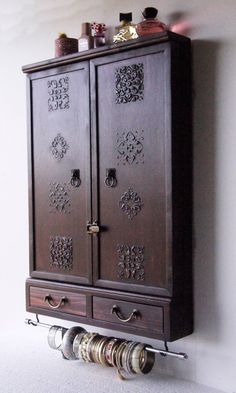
65,46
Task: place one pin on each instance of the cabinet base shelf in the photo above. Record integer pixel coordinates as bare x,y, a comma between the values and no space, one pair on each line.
159,318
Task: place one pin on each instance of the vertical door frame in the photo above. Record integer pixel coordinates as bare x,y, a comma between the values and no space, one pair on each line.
131,54
69,278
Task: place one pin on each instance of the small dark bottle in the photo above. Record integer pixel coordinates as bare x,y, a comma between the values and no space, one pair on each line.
150,24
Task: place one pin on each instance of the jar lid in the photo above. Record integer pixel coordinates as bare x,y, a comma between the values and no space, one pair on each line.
127,17
86,29
150,12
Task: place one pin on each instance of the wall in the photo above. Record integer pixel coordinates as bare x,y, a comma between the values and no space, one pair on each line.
27,32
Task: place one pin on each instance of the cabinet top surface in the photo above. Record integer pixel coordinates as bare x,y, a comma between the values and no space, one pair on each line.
103,51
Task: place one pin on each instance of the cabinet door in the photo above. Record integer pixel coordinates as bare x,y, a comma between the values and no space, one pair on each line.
60,154
131,143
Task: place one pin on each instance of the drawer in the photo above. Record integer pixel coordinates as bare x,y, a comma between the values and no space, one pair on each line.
126,313
57,300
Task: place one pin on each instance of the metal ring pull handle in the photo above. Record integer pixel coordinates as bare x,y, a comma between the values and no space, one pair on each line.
75,180
48,300
110,180
115,310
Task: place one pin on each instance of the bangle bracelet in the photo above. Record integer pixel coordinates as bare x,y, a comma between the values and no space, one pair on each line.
88,346
101,351
53,336
120,375
114,352
136,358
118,358
149,361
108,350
76,344
128,359
94,348
67,342
119,355
83,346
125,356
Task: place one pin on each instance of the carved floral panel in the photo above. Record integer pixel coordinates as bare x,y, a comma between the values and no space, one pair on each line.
129,83
130,203
59,147
131,262
130,147
58,90
59,197
61,252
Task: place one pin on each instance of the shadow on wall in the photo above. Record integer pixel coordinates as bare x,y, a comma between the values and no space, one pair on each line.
205,54
204,142
206,318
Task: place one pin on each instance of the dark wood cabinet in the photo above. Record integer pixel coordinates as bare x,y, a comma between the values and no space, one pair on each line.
110,187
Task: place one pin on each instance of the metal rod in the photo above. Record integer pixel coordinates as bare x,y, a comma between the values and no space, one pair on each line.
179,355
163,352
36,323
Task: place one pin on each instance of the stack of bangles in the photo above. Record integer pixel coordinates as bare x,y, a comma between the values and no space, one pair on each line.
128,357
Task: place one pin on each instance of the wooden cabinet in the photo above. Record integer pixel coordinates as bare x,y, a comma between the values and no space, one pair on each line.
110,187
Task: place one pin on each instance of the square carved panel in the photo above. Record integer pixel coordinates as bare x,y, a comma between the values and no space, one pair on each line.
59,197
61,252
58,90
130,262
129,83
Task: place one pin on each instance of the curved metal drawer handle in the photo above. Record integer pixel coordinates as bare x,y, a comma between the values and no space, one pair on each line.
48,300
115,310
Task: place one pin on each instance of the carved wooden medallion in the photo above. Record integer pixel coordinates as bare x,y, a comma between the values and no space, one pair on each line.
131,262
130,147
59,147
130,203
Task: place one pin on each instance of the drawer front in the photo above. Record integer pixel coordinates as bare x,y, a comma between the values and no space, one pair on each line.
57,300
147,317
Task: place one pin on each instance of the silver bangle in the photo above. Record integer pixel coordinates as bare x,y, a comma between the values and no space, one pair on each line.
76,344
128,358
119,354
53,336
123,357
149,360
67,342
135,358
